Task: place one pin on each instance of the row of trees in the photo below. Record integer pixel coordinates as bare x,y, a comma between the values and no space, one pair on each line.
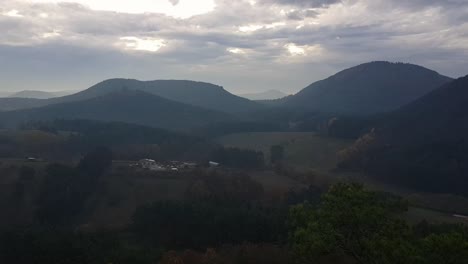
61,139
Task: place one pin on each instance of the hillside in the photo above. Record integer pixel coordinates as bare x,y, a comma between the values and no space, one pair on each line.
423,145
65,140
266,95
440,115
15,103
199,94
125,106
367,89
188,92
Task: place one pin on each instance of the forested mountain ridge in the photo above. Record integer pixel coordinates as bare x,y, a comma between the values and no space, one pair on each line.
367,89
135,107
199,94
423,145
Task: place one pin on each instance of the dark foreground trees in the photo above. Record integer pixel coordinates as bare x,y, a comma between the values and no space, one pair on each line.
364,226
182,225
66,189
222,220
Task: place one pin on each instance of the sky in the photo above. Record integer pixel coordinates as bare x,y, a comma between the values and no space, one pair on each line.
243,45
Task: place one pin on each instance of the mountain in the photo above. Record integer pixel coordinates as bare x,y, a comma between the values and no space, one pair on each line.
266,95
39,94
440,115
367,89
423,145
199,94
135,107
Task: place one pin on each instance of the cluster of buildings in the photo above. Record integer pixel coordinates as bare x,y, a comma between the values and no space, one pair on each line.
152,165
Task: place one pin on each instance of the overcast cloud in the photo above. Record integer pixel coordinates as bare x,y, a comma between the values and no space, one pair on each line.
242,45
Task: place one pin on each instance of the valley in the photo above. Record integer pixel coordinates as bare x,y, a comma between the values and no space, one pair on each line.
236,168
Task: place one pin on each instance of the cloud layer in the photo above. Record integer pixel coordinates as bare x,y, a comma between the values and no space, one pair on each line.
242,45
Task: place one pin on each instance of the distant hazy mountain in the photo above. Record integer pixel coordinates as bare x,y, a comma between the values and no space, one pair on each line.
423,145
367,89
125,106
39,94
266,95
200,94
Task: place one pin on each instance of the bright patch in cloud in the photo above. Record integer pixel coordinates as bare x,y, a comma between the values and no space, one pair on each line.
304,50
252,28
275,25
53,34
236,50
295,50
179,9
13,13
146,44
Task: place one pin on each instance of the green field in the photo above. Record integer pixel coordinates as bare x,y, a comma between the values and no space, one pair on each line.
303,150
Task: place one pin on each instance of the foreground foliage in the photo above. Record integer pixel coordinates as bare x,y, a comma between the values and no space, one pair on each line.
364,226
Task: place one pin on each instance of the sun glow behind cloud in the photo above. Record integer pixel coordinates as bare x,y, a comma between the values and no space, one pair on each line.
178,9
13,13
53,34
295,50
139,44
236,51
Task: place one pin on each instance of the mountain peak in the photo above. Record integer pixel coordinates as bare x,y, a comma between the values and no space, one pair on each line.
368,88
200,94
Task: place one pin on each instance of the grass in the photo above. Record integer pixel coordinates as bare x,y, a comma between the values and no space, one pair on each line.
303,150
